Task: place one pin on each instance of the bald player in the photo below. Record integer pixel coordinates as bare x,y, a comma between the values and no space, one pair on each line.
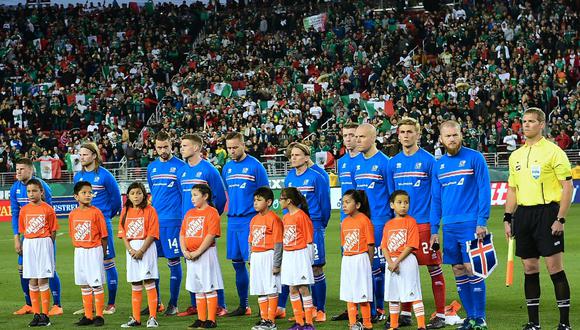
370,175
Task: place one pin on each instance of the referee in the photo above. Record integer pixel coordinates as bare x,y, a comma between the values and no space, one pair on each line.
540,193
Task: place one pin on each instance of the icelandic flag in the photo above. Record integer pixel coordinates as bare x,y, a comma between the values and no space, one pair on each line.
482,255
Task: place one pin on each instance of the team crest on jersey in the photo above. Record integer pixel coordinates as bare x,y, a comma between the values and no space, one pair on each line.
418,165
172,170
154,170
305,182
398,165
536,171
198,175
82,230
344,165
182,174
352,240
397,239
229,170
375,167
195,227
245,170
96,179
442,166
461,163
358,167
135,228
289,184
34,223
290,235
17,191
259,236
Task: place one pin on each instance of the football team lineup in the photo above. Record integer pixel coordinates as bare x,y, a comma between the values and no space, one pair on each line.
399,210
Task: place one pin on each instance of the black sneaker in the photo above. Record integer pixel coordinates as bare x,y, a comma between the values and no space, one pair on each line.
198,324
35,320
405,320
240,311
131,323
44,321
171,310
340,317
531,326
99,321
436,323
84,321
564,327
209,324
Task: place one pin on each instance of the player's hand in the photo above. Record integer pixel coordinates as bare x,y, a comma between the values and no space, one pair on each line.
138,254
557,228
481,231
393,266
434,239
508,230
17,245
275,270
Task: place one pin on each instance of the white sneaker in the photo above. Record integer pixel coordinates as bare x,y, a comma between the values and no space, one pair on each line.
110,309
356,326
79,312
132,323
152,323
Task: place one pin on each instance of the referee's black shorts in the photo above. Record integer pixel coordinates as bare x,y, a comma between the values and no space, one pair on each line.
532,227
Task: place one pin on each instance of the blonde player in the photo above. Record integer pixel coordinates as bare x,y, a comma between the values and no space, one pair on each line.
139,228
297,257
265,239
199,230
400,239
358,245
37,221
88,231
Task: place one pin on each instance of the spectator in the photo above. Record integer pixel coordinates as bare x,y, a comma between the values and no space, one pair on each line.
510,140
563,140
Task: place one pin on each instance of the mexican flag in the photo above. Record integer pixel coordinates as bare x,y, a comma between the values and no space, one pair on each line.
48,169
347,98
239,93
270,104
317,22
373,106
44,87
315,88
221,89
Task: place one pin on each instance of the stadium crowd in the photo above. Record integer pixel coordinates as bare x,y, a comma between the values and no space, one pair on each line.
70,74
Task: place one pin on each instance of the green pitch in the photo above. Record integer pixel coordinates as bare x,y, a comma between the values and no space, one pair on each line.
506,307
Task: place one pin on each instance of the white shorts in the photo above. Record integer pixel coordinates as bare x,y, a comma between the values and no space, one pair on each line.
262,281
356,282
89,268
38,258
405,286
297,267
204,274
144,269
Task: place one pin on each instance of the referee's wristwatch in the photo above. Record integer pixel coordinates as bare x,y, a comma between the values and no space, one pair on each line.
561,220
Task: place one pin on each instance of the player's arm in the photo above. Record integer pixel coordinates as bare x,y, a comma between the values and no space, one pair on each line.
389,178
51,216
511,202
148,241
564,174
207,242
323,192
391,265
278,248
219,193
404,254
371,252
435,209
261,176
15,207
184,250
483,196
47,193
115,201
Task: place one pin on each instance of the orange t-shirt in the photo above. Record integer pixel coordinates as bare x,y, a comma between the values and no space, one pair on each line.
37,221
298,231
197,224
87,227
400,233
139,224
265,232
356,234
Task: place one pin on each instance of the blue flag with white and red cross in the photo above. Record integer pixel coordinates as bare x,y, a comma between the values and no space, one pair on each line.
482,255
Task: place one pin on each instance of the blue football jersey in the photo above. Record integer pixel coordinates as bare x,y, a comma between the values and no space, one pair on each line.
165,193
19,198
312,185
202,173
107,196
242,179
413,175
370,175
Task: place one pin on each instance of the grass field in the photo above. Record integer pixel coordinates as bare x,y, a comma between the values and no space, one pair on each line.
506,307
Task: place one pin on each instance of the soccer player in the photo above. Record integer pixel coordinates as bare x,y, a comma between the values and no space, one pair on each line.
139,228
410,170
200,228
461,197
166,199
314,187
243,174
37,222
107,198
18,199
88,231
370,175
540,193
402,280
199,171
345,163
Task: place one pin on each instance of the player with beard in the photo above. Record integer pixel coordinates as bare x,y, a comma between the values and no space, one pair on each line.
461,197
166,199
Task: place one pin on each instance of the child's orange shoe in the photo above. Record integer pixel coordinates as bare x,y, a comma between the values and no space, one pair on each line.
55,310
280,313
26,309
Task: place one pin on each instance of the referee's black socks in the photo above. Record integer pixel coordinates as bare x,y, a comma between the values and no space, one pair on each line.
562,290
532,292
